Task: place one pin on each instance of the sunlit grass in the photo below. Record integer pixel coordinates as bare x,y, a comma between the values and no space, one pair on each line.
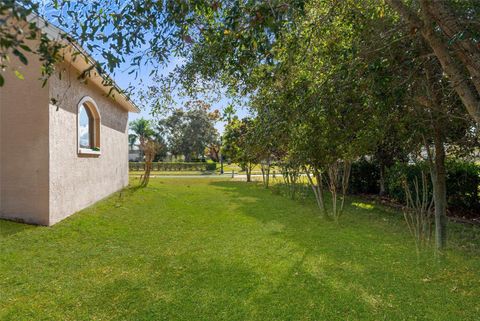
365,206
210,249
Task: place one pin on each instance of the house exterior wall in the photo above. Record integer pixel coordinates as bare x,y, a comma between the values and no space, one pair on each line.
79,181
24,145
42,178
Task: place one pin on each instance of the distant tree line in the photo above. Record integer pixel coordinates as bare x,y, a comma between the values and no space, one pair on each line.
188,132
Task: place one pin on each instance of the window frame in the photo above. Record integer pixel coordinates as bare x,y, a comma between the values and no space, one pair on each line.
94,127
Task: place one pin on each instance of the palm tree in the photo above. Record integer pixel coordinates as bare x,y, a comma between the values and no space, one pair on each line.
148,146
132,138
142,129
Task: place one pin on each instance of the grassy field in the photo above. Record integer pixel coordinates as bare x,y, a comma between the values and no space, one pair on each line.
210,249
227,168
189,173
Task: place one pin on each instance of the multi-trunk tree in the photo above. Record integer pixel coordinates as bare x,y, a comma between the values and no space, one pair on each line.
149,145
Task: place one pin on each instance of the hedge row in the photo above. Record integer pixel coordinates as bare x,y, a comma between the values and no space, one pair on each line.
463,180
177,167
364,178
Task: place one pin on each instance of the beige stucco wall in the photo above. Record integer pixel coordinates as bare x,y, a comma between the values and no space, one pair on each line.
75,181
24,145
42,178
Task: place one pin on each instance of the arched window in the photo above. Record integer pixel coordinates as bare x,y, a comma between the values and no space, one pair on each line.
88,127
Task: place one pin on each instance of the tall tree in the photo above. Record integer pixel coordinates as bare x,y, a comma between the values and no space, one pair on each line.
148,145
132,139
238,144
142,130
453,37
191,130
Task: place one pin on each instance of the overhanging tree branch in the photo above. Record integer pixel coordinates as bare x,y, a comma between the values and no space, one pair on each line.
460,82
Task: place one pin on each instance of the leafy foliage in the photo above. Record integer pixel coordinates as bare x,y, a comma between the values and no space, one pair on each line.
364,177
463,180
191,130
238,144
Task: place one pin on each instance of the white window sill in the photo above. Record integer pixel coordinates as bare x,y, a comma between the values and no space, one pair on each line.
88,152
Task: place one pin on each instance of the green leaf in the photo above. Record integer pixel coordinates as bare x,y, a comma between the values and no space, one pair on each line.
26,48
20,56
19,75
2,80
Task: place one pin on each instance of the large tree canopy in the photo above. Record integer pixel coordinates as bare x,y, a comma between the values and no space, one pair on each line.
191,130
226,40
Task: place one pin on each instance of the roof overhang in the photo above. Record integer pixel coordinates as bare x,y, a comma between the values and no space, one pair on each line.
77,57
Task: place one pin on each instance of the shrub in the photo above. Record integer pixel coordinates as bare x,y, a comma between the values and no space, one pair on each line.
211,166
364,178
136,166
463,179
395,175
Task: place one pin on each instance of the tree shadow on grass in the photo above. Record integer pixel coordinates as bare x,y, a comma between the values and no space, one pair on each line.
365,255
261,257
212,290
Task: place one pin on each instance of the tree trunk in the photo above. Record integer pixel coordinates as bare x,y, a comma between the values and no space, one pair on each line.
347,166
145,179
268,178
333,187
460,82
317,189
437,161
265,168
319,177
382,180
465,50
439,176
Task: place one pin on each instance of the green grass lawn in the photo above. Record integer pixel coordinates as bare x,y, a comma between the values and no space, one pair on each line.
210,249
171,173
226,168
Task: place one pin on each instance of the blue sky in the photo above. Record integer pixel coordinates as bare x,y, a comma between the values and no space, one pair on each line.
124,80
